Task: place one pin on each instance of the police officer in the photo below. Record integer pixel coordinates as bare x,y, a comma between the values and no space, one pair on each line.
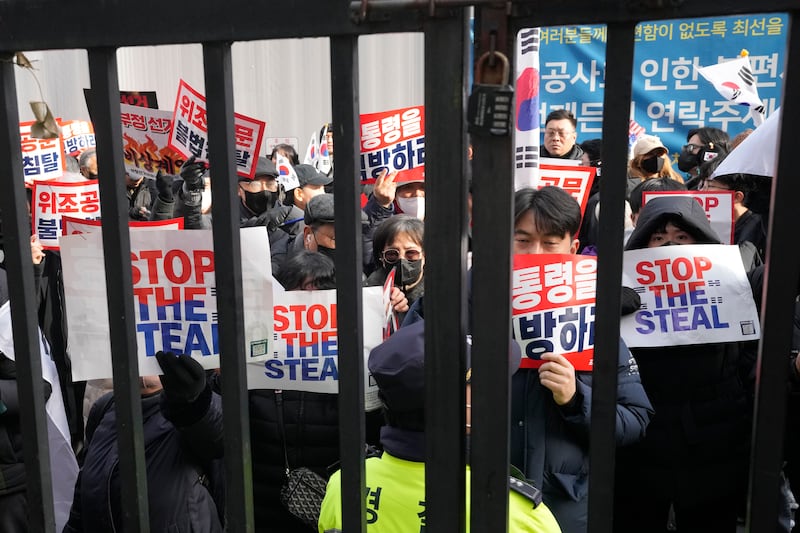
395,481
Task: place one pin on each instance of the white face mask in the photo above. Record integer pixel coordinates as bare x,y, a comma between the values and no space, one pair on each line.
414,206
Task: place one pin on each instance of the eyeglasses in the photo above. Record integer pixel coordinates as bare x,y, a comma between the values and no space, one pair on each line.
560,133
393,255
709,186
691,148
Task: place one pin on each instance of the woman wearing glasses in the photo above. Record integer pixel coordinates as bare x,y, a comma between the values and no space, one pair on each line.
397,246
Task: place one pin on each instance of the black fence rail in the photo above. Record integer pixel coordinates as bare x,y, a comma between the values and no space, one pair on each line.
51,24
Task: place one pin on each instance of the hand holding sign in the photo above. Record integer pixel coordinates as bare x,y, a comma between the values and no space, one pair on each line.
399,300
558,375
37,251
385,187
192,173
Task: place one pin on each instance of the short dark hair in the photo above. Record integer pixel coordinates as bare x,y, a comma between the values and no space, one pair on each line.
307,265
594,149
554,210
392,227
561,114
655,184
291,153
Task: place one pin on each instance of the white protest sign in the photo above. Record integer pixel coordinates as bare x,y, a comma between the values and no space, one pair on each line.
42,159
189,135
306,350
51,200
553,307
718,206
174,293
691,294
145,133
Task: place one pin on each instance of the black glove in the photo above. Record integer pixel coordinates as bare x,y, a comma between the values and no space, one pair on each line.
183,379
192,173
139,213
630,301
164,186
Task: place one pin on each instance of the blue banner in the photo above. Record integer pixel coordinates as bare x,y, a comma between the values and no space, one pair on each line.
669,96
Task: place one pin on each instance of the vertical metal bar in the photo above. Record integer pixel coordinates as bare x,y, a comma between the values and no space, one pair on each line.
616,112
119,286
492,229
445,267
228,265
782,272
344,95
24,317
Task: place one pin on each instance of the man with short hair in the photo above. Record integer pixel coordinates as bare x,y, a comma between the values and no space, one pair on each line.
311,183
560,135
551,405
87,162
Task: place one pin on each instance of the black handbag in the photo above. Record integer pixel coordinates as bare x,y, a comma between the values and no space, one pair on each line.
303,491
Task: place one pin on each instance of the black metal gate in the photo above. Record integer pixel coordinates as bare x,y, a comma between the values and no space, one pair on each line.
102,26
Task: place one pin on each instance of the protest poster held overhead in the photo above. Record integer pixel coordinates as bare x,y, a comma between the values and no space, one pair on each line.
145,136
393,140
77,135
553,307
691,294
42,159
175,300
51,200
189,134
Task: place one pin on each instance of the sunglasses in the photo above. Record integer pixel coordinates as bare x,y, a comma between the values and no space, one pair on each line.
392,255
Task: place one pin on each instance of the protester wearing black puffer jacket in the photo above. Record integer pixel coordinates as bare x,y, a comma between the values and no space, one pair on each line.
694,458
183,434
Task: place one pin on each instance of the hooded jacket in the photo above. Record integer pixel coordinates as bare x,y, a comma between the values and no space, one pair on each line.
696,448
659,211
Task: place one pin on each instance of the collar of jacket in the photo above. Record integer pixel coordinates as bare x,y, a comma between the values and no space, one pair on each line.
402,443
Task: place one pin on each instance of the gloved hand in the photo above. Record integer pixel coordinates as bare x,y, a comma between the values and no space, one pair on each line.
630,301
192,173
139,213
164,186
183,379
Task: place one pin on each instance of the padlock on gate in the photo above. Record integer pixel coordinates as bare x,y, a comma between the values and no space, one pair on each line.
489,110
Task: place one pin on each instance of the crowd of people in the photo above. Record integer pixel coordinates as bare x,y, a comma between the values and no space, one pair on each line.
683,413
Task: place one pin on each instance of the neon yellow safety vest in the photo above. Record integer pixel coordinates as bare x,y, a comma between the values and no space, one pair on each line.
395,501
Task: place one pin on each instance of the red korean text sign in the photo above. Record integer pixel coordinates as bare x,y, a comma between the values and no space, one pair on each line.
52,200
42,159
553,307
189,135
393,140
78,136
576,180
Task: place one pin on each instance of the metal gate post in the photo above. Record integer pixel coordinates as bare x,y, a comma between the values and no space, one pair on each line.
119,287
33,419
445,268
616,110
349,308
777,312
228,268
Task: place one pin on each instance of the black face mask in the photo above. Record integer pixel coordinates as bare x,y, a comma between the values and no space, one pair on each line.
328,252
258,202
409,272
653,165
670,243
687,161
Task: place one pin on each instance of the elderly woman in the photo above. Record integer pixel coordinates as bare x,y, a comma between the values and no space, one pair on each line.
397,245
